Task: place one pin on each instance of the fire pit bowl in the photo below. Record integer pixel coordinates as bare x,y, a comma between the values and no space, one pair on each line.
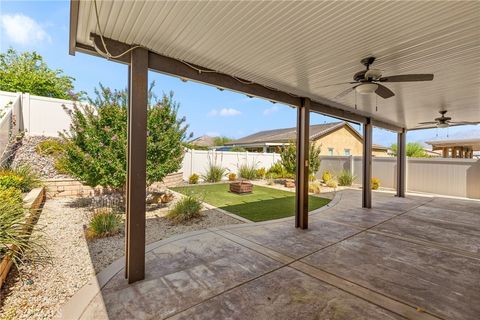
241,187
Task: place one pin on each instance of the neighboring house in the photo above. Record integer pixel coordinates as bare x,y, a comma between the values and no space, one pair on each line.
456,148
334,139
203,141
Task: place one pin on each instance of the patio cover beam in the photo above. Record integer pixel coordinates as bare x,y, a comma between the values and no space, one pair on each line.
301,185
367,166
136,166
401,164
190,71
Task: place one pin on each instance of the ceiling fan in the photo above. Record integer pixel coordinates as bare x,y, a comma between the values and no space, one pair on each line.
444,122
369,81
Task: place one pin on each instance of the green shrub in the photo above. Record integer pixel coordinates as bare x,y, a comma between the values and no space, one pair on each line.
22,178
345,178
375,183
29,177
261,173
50,147
186,209
13,230
8,179
289,158
326,176
332,183
314,186
247,171
232,176
238,149
276,168
193,179
214,173
103,223
95,145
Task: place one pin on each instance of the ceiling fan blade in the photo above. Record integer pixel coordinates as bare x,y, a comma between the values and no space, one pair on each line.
428,122
407,78
345,92
337,84
463,122
384,92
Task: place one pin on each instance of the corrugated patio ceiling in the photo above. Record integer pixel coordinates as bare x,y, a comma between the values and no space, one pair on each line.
301,47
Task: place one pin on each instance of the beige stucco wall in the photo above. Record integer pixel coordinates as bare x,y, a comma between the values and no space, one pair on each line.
342,139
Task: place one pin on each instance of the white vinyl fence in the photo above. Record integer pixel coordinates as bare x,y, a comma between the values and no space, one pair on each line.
11,123
451,177
197,161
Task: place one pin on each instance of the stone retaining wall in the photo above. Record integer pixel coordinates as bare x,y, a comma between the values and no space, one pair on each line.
72,187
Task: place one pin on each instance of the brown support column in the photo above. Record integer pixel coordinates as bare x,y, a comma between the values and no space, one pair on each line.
303,145
461,152
367,165
445,152
136,166
401,164
454,152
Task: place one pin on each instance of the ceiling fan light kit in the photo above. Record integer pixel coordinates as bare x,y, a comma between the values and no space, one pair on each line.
366,88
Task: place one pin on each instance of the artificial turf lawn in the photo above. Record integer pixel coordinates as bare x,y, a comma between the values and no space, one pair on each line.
262,204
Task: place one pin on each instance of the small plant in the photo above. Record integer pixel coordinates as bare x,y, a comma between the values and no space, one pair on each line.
214,173
375,183
261,173
270,181
8,179
193,179
50,147
345,178
311,177
247,171
326,176
30,179
22,178
186,209
314,187
332,183
13,230
104,223
232,176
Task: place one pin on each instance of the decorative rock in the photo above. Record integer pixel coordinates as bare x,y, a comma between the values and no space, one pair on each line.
44,166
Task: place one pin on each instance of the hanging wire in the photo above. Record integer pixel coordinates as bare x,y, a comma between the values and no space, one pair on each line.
355,99
109,56
376,103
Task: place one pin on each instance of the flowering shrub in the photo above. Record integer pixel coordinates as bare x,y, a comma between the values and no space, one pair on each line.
96,144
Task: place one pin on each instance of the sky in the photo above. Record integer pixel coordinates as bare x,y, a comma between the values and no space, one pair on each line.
43,26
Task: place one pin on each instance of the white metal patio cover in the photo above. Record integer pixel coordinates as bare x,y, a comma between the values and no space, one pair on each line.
300,47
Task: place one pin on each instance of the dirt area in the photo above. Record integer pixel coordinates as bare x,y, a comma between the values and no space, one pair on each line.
41,290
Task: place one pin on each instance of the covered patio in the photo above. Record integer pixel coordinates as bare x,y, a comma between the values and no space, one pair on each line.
369,255
414,257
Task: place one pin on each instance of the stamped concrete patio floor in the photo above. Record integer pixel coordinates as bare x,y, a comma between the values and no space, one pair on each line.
414,258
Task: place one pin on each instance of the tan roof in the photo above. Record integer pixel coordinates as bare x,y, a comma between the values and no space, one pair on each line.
204,141
286,135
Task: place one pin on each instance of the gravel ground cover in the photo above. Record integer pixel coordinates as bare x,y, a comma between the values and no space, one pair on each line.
42,289
43,165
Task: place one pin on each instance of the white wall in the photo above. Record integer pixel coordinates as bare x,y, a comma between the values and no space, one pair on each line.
197,161
45,116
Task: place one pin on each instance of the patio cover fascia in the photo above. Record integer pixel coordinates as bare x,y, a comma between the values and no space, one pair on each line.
141,59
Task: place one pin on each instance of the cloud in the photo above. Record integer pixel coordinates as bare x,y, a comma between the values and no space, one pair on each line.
23,30
225,112
270,110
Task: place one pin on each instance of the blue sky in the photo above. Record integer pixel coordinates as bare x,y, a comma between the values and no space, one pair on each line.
43,26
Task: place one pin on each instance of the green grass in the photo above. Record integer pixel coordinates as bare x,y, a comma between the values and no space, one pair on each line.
262,204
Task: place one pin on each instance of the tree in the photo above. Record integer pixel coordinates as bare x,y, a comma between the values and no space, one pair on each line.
414,150
96,144
288,158
27,72
221,141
